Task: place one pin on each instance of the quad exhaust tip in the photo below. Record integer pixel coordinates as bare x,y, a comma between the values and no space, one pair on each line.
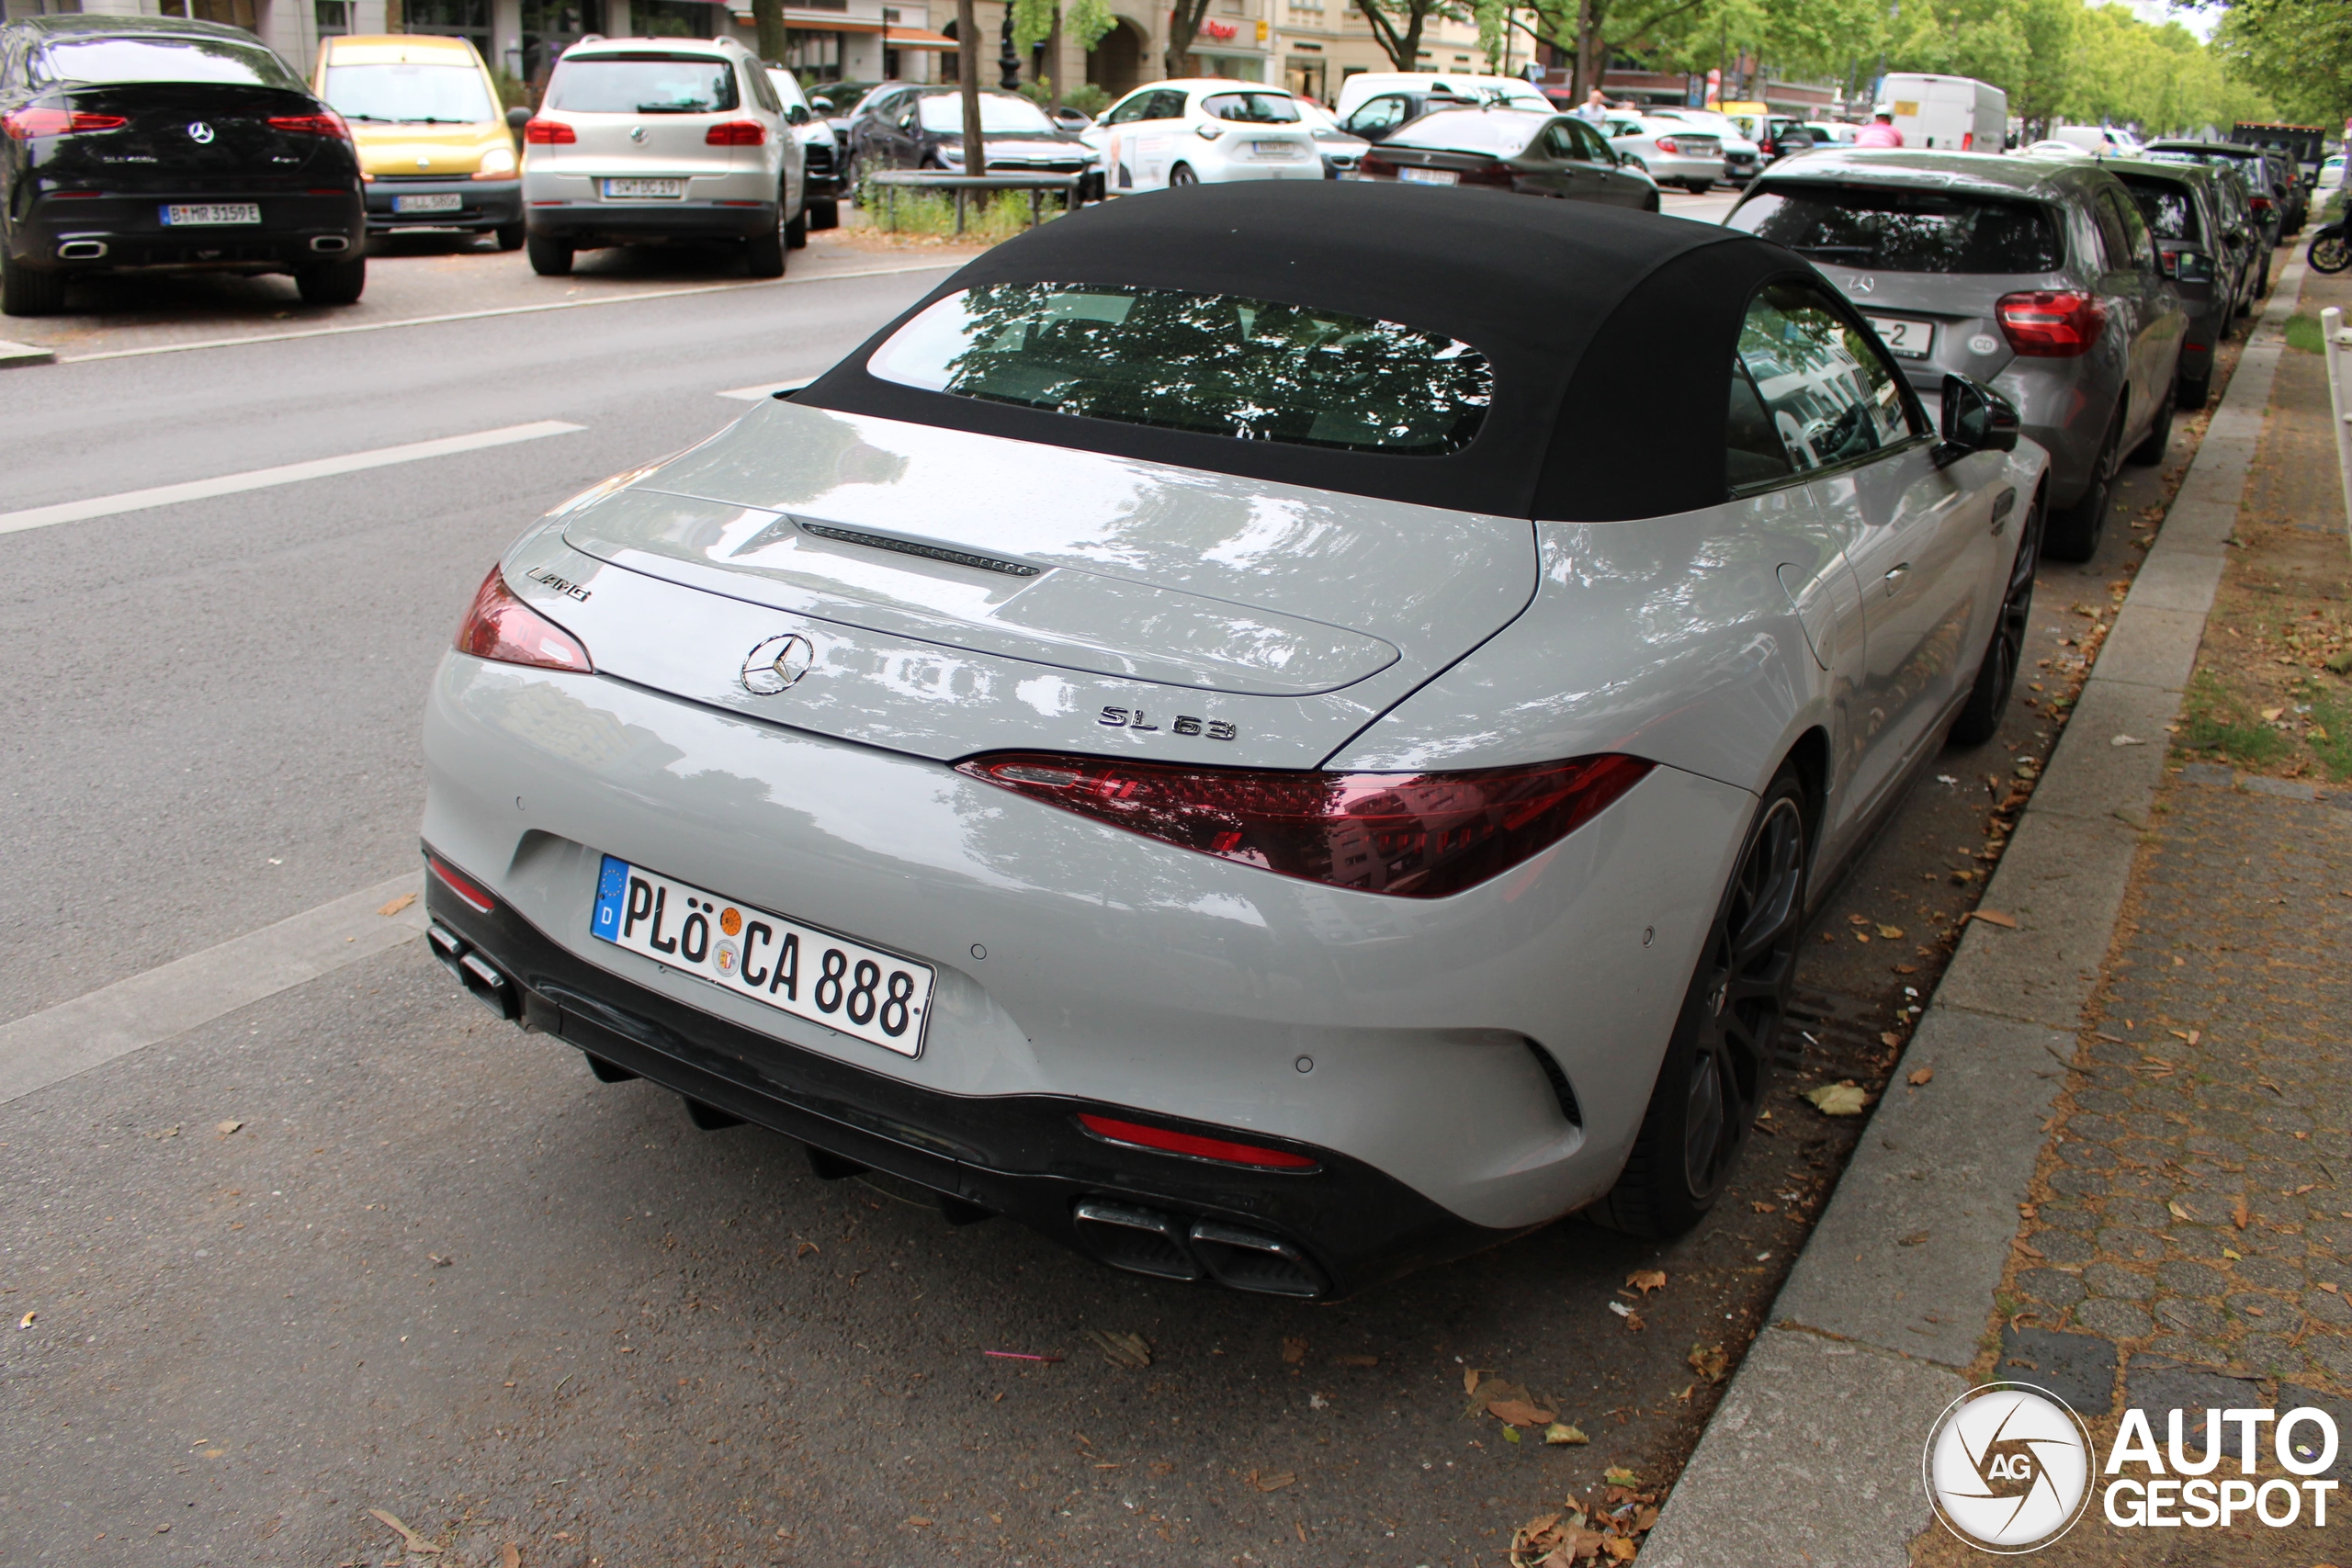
326,245
1144,1241
483,979
81,250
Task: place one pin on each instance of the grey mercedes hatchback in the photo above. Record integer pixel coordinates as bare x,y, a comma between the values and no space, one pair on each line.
2037,276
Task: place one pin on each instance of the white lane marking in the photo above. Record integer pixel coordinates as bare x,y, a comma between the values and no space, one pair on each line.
495,310
765,389
46,1047
286,474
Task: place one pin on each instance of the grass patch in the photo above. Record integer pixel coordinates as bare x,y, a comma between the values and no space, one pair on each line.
2331,741
2302,331
986,221
2216,721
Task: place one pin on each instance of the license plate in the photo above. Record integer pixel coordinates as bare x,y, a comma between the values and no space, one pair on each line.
878,997
1909,339
196,214
448,203
671,190
1273,148
1429,176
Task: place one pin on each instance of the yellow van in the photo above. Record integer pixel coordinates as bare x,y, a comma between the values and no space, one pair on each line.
436,151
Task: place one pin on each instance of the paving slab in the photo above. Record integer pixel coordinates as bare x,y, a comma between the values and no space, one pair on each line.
2079,1368
2062,880
2126,731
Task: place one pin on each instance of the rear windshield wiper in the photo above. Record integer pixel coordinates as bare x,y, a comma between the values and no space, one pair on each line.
1845,250
673,108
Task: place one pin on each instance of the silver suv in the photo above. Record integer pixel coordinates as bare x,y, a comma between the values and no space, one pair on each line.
643,140
2035,274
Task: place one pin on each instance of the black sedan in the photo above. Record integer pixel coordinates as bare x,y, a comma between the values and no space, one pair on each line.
925,130
1509,149
152,141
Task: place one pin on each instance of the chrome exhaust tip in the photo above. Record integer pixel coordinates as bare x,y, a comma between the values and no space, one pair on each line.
330,245
1138,1240
81,250
490,987
1245,1260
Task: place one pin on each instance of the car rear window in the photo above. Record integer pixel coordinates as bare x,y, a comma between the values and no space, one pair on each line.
643,83
2170,210
159,59
410,95
1904,231
1215,364
1252,108
1505,132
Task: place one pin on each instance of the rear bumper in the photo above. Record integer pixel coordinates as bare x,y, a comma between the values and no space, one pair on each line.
590,222
1674,171
482,204
107,232
1346,1226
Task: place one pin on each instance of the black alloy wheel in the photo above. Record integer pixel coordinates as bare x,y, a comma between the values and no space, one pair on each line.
1996,676
28,291
1182,176
509,236
333,283
2330,251
2073,534
549,258
1711,1083
763,254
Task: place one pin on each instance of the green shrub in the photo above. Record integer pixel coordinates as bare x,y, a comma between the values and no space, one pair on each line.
933,212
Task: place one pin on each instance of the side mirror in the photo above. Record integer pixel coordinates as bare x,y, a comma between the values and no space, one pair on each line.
797,114
1976,419
518,118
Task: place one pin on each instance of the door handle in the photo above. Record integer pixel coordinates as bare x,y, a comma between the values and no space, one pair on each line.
1894,576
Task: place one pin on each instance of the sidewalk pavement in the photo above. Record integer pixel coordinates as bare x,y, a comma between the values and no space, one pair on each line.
1900,1301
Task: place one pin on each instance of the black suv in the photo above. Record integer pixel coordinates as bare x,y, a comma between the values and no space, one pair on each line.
152,141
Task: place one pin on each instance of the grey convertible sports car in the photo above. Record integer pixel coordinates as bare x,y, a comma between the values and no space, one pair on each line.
1231,733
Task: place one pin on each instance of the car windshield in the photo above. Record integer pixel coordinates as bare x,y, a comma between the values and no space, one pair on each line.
1215,364
643,83
2170,210
410,95
163,58
1904,231
1252,108
1000,115
1504,132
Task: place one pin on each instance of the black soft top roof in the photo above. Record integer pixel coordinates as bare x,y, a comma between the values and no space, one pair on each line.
1610,335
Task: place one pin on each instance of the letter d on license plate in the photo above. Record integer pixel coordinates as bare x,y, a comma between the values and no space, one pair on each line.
809,972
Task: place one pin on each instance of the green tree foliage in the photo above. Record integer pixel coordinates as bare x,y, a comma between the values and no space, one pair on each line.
1397,25
2299,53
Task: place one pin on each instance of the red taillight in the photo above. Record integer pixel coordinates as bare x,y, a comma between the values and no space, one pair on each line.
549,133
736,133
2050,323
1413,835
1967,141
1373,164
2261,204
503,628
1668,144
1490,173
1169,1141
2169,261
25,124
475,899
327,124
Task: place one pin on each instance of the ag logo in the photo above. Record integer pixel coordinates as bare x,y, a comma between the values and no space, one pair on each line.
2008,1467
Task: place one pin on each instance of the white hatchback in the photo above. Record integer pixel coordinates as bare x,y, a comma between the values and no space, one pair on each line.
661,139
1203,133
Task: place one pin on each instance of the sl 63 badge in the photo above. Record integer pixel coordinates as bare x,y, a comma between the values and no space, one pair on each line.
1183,724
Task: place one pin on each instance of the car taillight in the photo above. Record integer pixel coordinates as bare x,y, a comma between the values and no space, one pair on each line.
2261,205
1668,144
1373,164
1410,835
23,124
499,626
1490,172
327,124
1170,1141
2050,323
475,899
549,133
1967,141
736,133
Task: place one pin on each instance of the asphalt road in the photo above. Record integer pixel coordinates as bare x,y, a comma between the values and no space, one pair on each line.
436,1270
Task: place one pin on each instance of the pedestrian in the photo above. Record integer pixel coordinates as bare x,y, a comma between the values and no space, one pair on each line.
1594,110
1880,133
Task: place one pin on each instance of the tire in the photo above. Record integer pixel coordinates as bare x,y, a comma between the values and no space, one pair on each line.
2151,451
795,234
2194,395
1182,176
853,181
1698,188
509,236
1996,672
2073,534
28,291
549,258
1651,203
763,254
824,215
1712,1079
2331,251
333,283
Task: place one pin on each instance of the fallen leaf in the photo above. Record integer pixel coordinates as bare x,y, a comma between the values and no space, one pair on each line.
1274,1482
1709,1361
394,908
2270,714
225,1128
27,1321
439,1261
2178,1212
414,1541
1618,1475
2234,1255
1764,1208
2022,1244
1862,936
1907,969
1645,1281
1892,934
1917,1238
1471,1377
1993,918
1633,1323
1520,1413
1888,1037
1120,1349
1840,1099
806,1248
2306,1187
2239,1214
1560,1433
1618,1547
917,1522
510,1556
1294,1350
1921,1079
2329,1286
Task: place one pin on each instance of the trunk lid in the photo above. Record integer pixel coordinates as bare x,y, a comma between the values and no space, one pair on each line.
199,139
962,593
1955,309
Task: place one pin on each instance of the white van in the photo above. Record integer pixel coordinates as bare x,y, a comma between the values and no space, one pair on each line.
1956,114
1366,85
2099,141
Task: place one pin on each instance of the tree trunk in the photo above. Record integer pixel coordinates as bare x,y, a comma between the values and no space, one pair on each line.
967,48
767,17
1592,48
1054,60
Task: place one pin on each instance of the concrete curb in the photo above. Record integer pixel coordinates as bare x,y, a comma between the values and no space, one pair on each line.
1889,1301
13,355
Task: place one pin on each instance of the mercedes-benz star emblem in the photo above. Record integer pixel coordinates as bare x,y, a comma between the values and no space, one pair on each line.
199,132
1864,283
776,663
637,134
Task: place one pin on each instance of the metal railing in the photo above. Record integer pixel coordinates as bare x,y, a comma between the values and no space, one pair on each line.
892,181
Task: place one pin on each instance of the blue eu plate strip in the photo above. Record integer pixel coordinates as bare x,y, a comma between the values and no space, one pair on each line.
612,893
